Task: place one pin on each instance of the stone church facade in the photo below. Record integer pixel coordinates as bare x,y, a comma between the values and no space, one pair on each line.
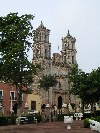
58,65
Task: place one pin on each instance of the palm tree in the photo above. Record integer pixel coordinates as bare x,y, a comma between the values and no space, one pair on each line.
48,81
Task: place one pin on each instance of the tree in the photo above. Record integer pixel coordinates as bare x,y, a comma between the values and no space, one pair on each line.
48,81
95,85
85,85
15,35
79,84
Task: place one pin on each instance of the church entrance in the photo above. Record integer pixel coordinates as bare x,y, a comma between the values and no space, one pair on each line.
59,102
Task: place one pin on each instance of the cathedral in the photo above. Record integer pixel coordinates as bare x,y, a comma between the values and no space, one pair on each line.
58,64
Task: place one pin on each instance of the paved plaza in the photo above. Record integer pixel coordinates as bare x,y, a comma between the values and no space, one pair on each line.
49,127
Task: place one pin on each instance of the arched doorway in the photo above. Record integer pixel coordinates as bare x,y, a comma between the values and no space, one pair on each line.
59,102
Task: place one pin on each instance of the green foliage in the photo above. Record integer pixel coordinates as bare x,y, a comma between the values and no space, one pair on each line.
95,86
48,81
13,119
86,123
85,85
15,42
97,118
15,33
30,119
7,120
39,118
3,121
78,84
78,78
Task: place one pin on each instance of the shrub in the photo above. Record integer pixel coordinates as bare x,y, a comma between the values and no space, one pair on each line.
30,119
12,119
39,118
86,123
97,118
3,121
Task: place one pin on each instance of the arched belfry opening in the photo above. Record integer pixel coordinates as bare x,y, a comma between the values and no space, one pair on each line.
59,102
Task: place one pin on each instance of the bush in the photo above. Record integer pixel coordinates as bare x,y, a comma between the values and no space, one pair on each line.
13,119
86,123
30,119
3,121
97,118
39,118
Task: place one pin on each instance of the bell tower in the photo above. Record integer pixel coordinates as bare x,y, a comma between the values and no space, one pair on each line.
68,50
42,47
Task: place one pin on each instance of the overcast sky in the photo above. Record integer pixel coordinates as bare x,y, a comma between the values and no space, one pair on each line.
80,17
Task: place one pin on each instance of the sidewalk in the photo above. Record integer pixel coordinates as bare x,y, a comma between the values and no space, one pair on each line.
50,127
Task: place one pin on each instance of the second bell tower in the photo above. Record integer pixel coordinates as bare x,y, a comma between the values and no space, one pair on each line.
68,50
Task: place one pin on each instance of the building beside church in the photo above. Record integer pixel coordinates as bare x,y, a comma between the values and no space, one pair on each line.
8,99
57,64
